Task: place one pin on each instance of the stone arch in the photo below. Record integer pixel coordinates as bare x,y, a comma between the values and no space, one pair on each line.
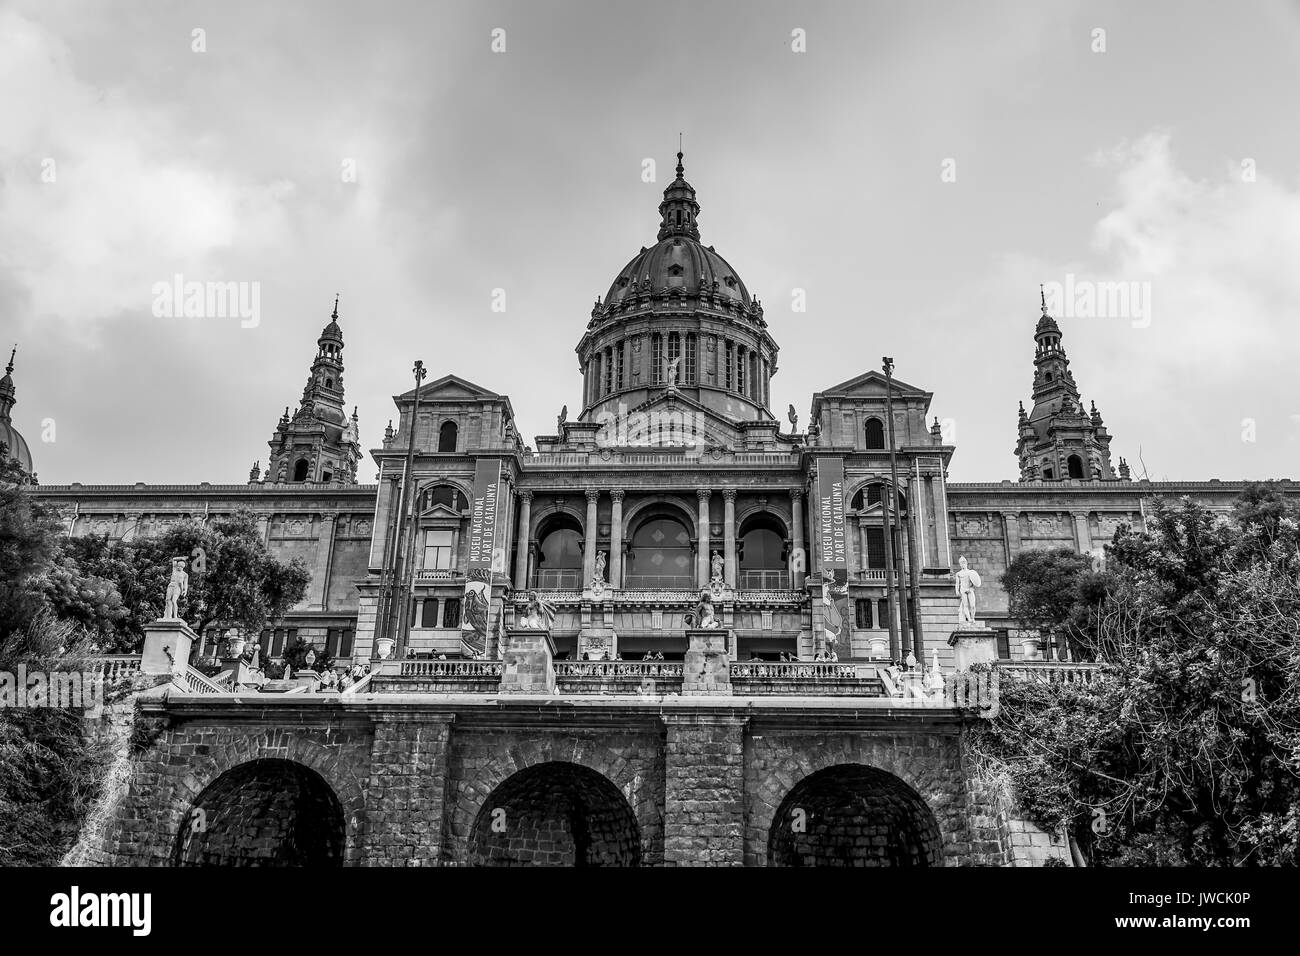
555,814
935,780
630,779
677,551
264,812
853,815
686,511
862,486
448,435
236,745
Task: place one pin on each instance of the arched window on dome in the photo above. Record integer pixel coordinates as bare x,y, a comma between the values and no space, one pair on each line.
447,437
300,470
1048,471
692,347
618,365
657,358
762,554
875,433
329,383
1074,466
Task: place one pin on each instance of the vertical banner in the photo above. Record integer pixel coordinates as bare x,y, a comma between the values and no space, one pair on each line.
832,530
484,552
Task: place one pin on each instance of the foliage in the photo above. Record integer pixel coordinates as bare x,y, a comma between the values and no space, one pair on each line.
1188,751
296,653
28,542
1056,593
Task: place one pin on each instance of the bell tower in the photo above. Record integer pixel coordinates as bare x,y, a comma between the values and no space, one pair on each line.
1059,439
320,442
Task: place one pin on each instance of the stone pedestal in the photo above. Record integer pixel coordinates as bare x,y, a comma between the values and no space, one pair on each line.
973,645
167,648
307,679
528,663
240,672
707,670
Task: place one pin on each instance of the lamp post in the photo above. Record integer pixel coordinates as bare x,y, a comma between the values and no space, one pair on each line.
397,614
895,506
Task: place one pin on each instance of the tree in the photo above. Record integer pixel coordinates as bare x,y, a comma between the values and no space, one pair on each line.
1185,752
1055,593
28,542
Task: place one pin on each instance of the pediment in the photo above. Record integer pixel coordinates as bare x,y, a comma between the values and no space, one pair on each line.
669,421
871,384
449,387
440,511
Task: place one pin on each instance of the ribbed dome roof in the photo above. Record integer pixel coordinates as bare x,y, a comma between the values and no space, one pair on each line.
678,262
16,445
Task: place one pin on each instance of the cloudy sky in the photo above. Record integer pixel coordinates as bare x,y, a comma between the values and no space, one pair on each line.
917,169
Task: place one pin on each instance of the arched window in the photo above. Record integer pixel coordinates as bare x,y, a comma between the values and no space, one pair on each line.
871,495
559,554
1049,376
447,437
1048,473
326,475
329,383
444,495
1074,464
762,554
875,433
661,554
300,470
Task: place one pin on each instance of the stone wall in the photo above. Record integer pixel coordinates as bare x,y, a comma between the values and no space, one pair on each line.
703,790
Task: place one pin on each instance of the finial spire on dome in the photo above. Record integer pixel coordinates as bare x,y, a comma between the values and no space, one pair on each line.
1042,297
9,369
681,170
335,315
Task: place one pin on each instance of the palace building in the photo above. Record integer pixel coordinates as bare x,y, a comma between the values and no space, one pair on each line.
675,476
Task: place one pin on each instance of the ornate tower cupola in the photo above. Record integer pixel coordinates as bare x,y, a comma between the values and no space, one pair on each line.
320,442
15,445
1059,439
679,210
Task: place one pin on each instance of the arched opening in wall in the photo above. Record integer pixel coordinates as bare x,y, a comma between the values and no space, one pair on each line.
875,433
852,815
447,437
446,495
264,813
300,470
1074,465
872,494
661,554
559,553
555,814
1048,472
763,558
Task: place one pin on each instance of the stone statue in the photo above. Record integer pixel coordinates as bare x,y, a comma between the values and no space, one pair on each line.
702,617
598,579
539,614
814,433
671,378
794,419
561,419
965,585
177,588
717,564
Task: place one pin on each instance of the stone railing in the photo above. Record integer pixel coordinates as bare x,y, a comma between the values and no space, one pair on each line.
455,670
634,670
1052,672
116,667
871,574
437,574
557,597
769,597
196,682
810,679
781,670
360,685
686,596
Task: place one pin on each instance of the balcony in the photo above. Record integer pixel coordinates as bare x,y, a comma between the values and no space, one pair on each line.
763,580
810,679
619,677
558,579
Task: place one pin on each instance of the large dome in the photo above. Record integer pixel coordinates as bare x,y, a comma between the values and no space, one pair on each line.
16,445
678,262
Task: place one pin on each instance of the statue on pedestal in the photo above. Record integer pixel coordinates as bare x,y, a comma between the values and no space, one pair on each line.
671,378
716,564
702,619
598,579
538,615
177,588
965,585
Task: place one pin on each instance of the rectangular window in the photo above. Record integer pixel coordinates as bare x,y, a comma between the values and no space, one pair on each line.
618,365
882,614
345,643
731,365
609,371
264,642
875,548
740,370
429,615
674,348
437,550
692,347
451,612
1004,645
657,357
277,645
862,615
332,641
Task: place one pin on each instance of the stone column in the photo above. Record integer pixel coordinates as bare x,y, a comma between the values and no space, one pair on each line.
263,528
590,530
862,537
320,572
705,545
616,539
799,557
729,535
1011,534
1082,536
704,790
408,787
941,520
523,539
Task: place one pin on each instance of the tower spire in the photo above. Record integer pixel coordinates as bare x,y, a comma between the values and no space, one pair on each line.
681,170
335,315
